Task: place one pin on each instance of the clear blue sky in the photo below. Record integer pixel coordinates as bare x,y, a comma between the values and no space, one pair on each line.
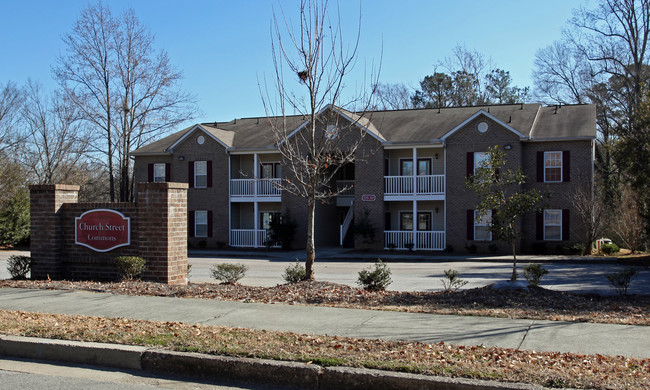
223,47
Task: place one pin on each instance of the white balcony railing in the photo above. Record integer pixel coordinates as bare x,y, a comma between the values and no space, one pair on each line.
250,238
255,187
424,240
425,185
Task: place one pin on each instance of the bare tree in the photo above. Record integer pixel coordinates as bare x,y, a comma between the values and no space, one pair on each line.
11,101
57,142
629,224
561,74
394,96
125,91
587,201
315,56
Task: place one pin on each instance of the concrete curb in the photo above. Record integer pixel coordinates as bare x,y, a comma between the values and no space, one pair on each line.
260,371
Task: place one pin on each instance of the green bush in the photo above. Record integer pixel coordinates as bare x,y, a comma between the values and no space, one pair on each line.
228,273
534,273
14,220
451,281
130,267
377,279
282,231
609,249
19,266
621,280
294,273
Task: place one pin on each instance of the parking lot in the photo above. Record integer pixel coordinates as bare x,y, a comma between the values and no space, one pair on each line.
416,275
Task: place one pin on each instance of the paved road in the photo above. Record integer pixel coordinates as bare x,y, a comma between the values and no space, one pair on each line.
32,374
414,275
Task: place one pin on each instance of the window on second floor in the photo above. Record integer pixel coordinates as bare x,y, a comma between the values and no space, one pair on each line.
406,167
270,170
159,173
200,174
553,167
480,158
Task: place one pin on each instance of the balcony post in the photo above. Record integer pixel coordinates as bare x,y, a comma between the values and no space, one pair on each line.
256,173
415,171
415,225
256,223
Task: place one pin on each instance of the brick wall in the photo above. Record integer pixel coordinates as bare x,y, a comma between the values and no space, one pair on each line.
158,234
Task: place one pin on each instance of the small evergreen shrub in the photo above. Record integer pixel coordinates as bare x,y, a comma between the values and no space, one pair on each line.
364,228
294,273
621,280
493,248
534,273
228,273
375,279
392,246
282,231
609,249
130,267
409,246
19,266
451,281
471,248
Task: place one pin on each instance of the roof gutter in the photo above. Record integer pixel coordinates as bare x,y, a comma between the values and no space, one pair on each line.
432,143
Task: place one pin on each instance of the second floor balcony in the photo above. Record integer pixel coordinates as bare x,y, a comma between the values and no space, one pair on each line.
414,185
255,188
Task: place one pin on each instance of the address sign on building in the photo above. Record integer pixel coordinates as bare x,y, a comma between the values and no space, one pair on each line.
102,230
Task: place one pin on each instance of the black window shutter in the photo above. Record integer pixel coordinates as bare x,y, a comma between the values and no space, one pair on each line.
190,174
470,224
209,223
540,167
566,166
150,173
565,225
470,164
209,164
540,225
168,172
190,222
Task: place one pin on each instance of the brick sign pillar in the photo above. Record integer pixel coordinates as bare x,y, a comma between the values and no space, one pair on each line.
47,227
162,230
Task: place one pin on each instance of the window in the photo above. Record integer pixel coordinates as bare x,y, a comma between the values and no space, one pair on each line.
271,170
200,174
406,167
480,158
200,223
266,217
553,167
553,225
482,226
159,173
424,221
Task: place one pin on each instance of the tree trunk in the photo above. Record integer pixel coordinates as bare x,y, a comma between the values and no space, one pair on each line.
513,278
310,247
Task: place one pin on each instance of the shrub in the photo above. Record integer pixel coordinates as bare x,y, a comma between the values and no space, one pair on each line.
538,248
451,281
19,266
493,248
130,267
228,273
294,273
364,228
534,273
189,270
621,280
609,249
377,279
471,248
392,246
409,246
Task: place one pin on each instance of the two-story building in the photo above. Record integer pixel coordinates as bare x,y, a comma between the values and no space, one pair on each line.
408,180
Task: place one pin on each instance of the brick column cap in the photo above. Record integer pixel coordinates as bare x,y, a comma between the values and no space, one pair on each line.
161,186
54,187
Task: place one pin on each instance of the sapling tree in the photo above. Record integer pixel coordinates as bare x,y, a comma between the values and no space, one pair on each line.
500,193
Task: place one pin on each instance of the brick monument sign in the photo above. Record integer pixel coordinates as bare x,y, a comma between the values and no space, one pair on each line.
81,240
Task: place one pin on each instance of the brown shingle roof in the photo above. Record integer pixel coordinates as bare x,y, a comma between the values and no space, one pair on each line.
406,126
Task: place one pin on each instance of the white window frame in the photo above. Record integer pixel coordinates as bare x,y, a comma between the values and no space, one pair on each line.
485,221
547,158
157,178
200,216
416,220
197,164
479,157
548,211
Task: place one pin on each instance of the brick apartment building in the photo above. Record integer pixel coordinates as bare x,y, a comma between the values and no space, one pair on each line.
408,179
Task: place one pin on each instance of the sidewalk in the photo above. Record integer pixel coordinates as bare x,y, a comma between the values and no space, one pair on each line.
583,338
